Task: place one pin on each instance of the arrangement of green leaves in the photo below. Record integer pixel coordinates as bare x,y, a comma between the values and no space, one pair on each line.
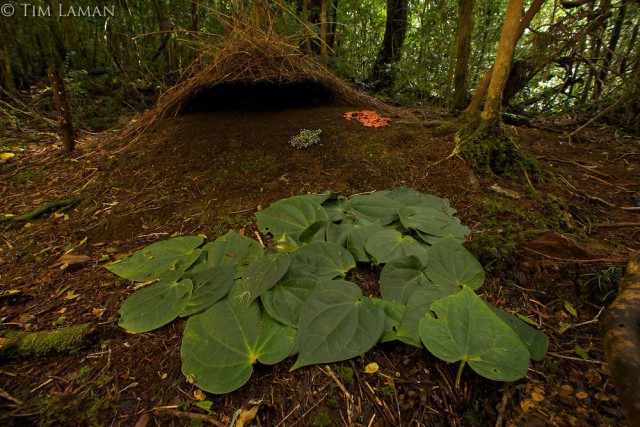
248,304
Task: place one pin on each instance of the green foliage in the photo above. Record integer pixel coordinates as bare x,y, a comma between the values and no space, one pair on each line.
601,284
306,138
245,306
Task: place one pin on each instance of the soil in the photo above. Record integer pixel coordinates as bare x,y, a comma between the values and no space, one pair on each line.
553,255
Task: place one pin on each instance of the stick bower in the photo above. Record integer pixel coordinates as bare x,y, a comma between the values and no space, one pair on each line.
255,70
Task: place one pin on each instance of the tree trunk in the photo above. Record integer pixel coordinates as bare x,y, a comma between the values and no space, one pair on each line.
323,33
382,75
193,20
62,105
334,24
483,86
463,49
501,67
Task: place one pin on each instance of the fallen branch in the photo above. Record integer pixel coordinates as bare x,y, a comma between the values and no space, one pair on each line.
617,224
191,416
578,261
57,206
621,326
19,344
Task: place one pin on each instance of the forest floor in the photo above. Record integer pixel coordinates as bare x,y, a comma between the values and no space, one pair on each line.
554,251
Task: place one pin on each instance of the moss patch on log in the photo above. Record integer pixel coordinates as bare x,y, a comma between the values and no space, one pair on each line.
68,340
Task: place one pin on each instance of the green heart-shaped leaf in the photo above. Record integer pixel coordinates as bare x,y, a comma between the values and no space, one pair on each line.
415,198
400,277
417,306
393,315
372,208
324,260
451,264
536,341
221,344
431,222
337,323
231,249
389,244
466,329
290,216
168,258
155,305
209,287
357,238
264,273
284,300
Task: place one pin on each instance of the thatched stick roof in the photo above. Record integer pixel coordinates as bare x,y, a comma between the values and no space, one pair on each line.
255,58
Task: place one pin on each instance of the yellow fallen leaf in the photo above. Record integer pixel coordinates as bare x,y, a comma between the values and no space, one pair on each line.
163,376
6,156
199,395
71,295
371,368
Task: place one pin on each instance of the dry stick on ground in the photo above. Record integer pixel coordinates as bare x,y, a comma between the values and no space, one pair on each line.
597,117
578,261
191,416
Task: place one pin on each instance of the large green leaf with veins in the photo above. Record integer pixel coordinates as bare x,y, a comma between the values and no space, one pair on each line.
221,345
389,244
432,222
231,249
264,273
393,315
337,323
451,264
372,208
358,236
290,216
155,305
400,277
168,258
465,329
536,341
410,197
209,286
284,300
324,260
417,306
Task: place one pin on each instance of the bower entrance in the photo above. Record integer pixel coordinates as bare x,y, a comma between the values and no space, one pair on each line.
258,96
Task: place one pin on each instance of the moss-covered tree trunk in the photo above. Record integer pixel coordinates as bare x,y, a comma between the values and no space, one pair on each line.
483,140
463,49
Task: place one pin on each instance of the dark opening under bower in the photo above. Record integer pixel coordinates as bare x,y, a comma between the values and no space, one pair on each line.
255,70
258,96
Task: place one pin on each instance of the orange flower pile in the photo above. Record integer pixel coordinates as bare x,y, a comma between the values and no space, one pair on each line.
368,118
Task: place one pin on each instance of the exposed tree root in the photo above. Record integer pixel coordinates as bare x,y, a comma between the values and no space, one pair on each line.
621,326
485,144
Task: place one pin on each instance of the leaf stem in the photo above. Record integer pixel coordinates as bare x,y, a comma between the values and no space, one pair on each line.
459,374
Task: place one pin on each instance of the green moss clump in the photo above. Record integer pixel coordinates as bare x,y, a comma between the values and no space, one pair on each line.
485,144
